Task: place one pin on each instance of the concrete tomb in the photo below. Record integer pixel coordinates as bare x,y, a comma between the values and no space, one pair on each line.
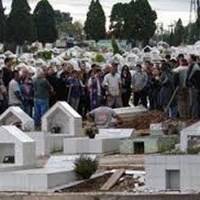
16,148
16,116
107,141
139,145
190,137
172,172
143,144
153,143
59,122
58,171
62,119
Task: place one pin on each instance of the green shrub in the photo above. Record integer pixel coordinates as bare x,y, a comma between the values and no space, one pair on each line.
115,47
85,167
166,144
99,58
45,55
193,150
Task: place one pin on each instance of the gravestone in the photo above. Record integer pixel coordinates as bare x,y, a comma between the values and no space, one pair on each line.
16,116
190,135
16,147
62,119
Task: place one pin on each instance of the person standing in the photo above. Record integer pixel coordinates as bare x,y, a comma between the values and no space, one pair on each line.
15,97
112,84
193,82
7,72
27,93
167,91
183,91
94,85
126,85
139,82
3,94
74,94
42,89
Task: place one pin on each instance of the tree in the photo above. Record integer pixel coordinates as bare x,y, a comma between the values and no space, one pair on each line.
95,22
129,24
63,22
20,26
118,19
74,30
44,18
179,33
115,47
145,18
2,22
61,17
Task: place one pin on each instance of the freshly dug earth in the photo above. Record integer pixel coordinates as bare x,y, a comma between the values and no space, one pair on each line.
90,185
143,121
125,184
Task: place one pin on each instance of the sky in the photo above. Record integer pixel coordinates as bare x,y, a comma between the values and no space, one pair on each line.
168,10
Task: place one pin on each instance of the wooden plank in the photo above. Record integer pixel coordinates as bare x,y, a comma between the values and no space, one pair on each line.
113,180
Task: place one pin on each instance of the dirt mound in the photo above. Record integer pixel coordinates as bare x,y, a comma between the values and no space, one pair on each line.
143,121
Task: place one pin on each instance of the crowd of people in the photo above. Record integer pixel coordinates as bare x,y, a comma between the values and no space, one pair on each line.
173,86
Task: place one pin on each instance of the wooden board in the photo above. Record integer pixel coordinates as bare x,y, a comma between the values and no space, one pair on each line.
113,180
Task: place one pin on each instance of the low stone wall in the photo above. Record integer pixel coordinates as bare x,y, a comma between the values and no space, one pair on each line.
98,196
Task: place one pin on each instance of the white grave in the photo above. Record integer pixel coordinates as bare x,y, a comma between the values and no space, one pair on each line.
15,115
172,172
191,131
35,180
58,171
64,117
14,143
107,141
42,141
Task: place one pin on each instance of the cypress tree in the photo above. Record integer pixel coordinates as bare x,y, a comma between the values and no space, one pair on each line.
20,26
2,22
179,33
145,18
44,18
95,22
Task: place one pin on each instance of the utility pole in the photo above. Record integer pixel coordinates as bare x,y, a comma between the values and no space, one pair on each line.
194,7
193,10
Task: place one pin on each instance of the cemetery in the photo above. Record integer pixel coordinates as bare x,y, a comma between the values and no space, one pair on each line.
61,142
99,100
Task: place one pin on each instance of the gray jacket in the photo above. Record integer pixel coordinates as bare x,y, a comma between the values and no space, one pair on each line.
139,80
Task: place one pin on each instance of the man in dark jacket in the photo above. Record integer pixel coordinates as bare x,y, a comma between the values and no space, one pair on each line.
193,82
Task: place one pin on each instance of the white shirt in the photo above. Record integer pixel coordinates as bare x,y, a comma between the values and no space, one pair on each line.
13,87
113,83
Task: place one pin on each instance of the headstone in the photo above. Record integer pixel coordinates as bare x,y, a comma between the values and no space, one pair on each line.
62,119
16,116
16,147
